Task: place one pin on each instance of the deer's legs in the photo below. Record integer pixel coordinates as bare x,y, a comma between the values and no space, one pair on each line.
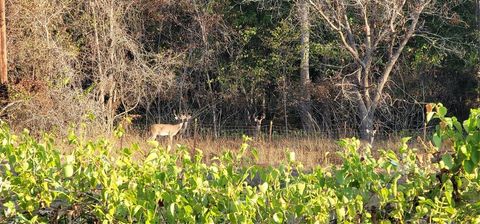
153,137
170,143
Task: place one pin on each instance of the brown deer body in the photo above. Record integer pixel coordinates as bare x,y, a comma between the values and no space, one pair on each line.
258,124
169,130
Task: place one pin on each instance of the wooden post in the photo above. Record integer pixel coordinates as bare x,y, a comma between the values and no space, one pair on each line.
477,15
3,45
195,134
270,129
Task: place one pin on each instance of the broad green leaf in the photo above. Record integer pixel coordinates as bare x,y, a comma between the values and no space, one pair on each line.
406,139
468,166
427,201
136,209
464,150
340,177
448,121
172,209
111,211
457,124
263,187
341,213
448,191
447,161
395,185
68,170
301,187
469,125
291,156
437,140
278,217
34,219
188,209
151,156
345,200
384,194
232,218
475,155
451,210
299,209
442,111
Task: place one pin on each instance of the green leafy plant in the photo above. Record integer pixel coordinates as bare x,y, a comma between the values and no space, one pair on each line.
95,182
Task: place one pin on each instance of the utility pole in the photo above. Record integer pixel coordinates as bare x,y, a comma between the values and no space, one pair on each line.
3,45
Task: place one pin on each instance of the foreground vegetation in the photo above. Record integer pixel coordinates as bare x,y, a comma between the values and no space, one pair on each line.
94,183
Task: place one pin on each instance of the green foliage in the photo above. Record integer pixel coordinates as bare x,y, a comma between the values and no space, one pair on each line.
464,139
39,183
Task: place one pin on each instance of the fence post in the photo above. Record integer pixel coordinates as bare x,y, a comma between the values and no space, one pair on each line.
270,129
195,134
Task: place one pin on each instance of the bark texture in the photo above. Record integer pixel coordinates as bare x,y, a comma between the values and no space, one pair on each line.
305,104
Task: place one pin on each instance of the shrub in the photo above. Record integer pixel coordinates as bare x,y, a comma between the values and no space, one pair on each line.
95,183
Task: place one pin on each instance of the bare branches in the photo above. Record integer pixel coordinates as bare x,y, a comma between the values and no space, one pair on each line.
415,15
377,24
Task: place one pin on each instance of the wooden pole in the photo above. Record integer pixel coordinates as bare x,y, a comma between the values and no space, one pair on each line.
3,45
477,15
270,129
195,134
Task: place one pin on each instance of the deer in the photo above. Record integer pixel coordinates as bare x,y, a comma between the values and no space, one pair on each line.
169,130
258,124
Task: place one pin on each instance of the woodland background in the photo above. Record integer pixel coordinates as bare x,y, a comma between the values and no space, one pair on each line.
227,62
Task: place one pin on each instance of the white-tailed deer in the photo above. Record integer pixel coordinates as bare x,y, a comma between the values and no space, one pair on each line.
258,124
169,130
371,138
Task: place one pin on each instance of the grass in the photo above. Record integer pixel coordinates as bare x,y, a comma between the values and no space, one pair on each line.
310,151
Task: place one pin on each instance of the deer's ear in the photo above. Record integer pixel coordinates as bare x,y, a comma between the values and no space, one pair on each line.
176,118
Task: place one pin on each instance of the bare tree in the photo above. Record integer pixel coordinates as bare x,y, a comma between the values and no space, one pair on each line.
123,74
374,32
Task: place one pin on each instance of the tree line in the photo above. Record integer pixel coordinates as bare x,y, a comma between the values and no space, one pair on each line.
310,65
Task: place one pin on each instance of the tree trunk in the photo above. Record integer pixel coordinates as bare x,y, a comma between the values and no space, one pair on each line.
366,124
284,102
305,102
3,45
214,117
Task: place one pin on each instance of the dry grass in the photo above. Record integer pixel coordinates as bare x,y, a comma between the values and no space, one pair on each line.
310,151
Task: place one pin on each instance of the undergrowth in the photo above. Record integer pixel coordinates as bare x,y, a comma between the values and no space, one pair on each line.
98,183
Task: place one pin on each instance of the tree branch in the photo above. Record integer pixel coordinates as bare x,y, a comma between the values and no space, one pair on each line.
396,54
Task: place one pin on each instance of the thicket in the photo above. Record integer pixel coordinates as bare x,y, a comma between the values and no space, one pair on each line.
95,182
223,61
